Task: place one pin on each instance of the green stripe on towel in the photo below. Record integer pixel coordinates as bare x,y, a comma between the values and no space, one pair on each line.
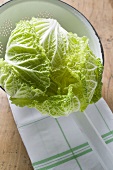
66,156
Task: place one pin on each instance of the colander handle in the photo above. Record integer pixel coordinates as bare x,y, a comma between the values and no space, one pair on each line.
94,139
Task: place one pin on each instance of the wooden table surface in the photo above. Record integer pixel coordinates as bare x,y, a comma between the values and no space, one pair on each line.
13,155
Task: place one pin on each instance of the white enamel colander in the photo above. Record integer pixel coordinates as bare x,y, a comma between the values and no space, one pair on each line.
73,21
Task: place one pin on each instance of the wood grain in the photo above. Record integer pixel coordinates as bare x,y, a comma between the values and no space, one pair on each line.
13,155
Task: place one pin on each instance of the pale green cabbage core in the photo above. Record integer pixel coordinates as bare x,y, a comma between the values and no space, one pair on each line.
50,69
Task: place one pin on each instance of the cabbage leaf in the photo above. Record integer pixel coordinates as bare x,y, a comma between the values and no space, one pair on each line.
50,69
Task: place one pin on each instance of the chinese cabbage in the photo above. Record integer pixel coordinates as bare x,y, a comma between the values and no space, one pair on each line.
50,69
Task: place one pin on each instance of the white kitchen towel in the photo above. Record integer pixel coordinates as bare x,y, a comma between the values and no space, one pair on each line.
58,144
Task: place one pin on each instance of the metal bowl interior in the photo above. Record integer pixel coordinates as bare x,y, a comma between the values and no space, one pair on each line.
69,18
